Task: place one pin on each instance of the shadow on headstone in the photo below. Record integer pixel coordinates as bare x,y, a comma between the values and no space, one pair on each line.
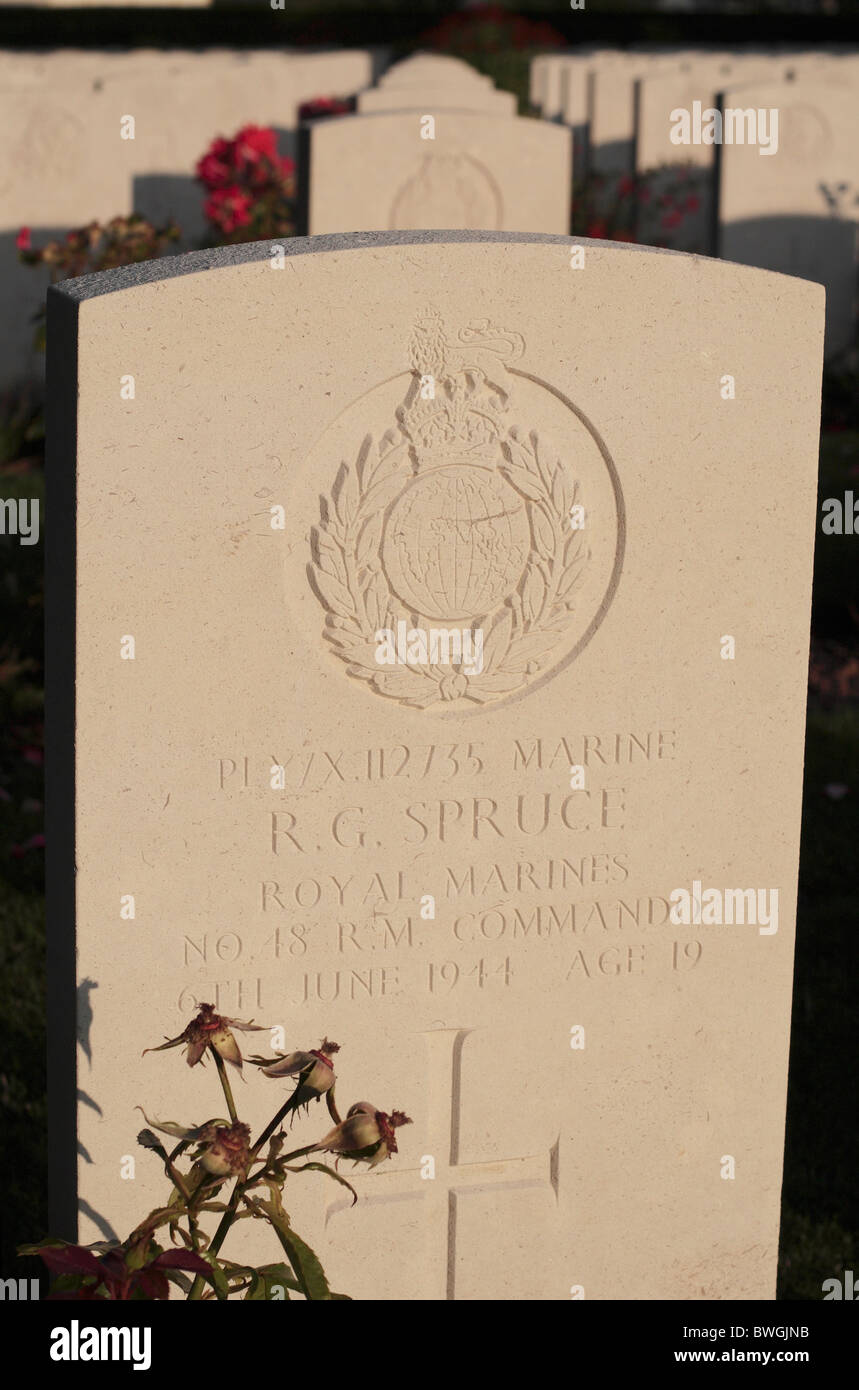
677,211
613,157
98,1220
159,197
22,292
302,181
822,249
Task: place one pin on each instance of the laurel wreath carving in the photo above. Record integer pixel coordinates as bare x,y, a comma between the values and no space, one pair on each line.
519,637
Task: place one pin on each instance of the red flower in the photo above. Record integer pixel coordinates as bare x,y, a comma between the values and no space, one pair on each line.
597,230
255,153
255,142
325,106
215,168
672,219
248,185
625,186
23,240
693,202
228,208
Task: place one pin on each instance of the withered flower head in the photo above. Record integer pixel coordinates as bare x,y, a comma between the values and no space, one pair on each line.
225,1149
209,1029
315,1067
222,1147
367,1135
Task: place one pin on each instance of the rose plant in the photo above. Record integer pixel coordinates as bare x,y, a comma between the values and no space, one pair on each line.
250,188
97,246
222,1151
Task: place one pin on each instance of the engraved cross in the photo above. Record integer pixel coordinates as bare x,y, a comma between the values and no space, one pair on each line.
453,1178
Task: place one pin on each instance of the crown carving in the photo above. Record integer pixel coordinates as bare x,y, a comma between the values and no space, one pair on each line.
463,417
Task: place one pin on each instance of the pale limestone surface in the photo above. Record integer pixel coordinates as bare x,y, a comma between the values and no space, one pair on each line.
549,78
555,1167
434,98
377,173
559,73
428,81
434,68
611,108
536,79
63,162
658,94
797,211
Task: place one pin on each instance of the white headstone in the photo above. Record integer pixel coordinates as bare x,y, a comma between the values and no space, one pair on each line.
64,160
476,171
598,1093
796,210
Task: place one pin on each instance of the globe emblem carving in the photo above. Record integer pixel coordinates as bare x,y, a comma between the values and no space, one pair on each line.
451,533
456,542
452,190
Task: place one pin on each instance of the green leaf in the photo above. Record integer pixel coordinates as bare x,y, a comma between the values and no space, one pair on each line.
156,1218
306,1265
279,1274
308,1270
39,1246
218,1277
269,1277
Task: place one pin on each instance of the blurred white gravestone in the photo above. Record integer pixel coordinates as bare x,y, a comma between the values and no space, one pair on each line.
69,154
475,171
796,210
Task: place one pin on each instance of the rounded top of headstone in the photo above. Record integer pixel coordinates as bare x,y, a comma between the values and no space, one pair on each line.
432,67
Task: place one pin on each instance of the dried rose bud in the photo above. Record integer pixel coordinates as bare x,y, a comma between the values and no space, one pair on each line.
367,1135
209,1029
226,1149
315,1069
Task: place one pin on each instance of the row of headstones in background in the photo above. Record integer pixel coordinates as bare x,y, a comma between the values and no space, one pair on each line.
436,145
794,211
602,1090
63,163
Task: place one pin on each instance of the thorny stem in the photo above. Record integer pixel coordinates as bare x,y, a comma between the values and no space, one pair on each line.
235,1197
225,1083
179,1181
275,1121
242,1185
